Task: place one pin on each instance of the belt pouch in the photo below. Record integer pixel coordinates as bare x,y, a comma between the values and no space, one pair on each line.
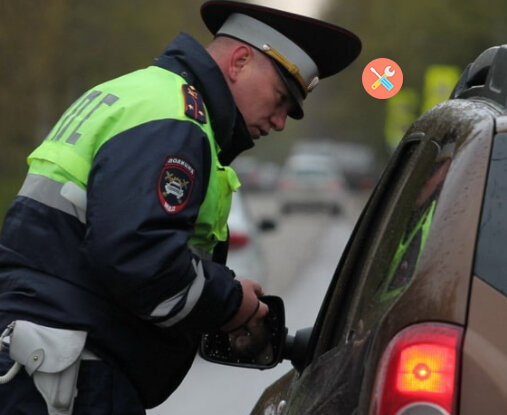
52,357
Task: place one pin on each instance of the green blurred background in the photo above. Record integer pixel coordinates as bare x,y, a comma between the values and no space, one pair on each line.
51,51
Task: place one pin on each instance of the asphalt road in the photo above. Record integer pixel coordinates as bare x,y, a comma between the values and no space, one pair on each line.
302,254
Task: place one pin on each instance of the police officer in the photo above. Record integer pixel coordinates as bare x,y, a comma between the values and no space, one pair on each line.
111,264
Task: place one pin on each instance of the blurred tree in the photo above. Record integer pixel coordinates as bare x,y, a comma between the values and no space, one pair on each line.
52,51
416,35
27,34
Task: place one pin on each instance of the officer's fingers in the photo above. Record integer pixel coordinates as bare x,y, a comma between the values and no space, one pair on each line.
259,316
257,288
253,286
263,310
248,307
251,291
259,291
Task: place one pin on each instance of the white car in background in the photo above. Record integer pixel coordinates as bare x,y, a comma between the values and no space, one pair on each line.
312,181
245,256
357,161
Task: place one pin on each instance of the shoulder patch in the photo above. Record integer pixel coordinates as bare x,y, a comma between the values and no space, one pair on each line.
194,105
175,184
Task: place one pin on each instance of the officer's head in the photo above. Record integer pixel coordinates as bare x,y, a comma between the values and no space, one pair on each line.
274,56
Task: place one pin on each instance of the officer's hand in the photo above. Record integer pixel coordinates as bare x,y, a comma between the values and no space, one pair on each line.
251,311
250,336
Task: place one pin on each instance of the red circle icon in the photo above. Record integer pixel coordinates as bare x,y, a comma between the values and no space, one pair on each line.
382,78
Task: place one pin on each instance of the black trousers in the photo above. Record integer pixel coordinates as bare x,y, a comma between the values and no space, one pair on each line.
102,390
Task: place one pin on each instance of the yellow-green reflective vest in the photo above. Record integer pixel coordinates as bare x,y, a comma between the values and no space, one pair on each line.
113,107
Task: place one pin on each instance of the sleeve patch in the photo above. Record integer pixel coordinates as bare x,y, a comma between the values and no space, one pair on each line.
194,105
175,184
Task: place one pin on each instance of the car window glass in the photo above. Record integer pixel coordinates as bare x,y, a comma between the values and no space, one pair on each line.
391,241
400,248
491,261
408,252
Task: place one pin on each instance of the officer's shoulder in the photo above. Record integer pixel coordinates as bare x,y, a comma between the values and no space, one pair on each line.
194,104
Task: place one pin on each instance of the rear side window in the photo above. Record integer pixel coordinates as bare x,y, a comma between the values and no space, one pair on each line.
412,242
390,244
491,255
405,231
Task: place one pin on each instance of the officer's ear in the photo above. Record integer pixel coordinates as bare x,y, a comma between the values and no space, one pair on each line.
240,57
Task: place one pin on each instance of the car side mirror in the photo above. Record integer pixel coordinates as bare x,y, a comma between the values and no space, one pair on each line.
216,346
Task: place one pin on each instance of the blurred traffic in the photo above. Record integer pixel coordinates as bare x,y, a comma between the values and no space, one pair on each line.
310,181
352,165
276,216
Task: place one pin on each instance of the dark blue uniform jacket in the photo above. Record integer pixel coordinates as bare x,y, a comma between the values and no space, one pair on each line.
103,276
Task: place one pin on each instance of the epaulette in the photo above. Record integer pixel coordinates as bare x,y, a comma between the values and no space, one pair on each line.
194,105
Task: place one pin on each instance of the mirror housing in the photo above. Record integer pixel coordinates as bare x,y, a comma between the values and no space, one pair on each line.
216,346
296,348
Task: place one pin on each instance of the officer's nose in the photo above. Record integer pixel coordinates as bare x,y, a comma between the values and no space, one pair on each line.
278,120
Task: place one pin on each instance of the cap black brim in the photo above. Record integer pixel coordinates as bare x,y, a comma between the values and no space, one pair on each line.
331,47
294,90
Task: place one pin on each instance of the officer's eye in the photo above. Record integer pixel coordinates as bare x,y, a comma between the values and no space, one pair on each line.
281,98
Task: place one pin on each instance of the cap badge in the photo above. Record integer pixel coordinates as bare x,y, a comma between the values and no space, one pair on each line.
313,84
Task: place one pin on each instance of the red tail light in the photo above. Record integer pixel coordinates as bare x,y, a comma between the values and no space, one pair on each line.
418,372
238,240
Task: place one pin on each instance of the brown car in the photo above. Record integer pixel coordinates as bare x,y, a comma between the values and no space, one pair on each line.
413,321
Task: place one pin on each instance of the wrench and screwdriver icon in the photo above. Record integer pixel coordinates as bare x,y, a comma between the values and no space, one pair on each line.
383,79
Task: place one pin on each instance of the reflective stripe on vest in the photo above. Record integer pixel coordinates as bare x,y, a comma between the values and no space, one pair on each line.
189,295
52,193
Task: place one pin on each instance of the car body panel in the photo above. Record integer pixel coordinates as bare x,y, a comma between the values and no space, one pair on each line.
440,286
388,278
484,371
274,399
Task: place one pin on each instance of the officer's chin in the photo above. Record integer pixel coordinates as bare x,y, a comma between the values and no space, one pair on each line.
257,133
